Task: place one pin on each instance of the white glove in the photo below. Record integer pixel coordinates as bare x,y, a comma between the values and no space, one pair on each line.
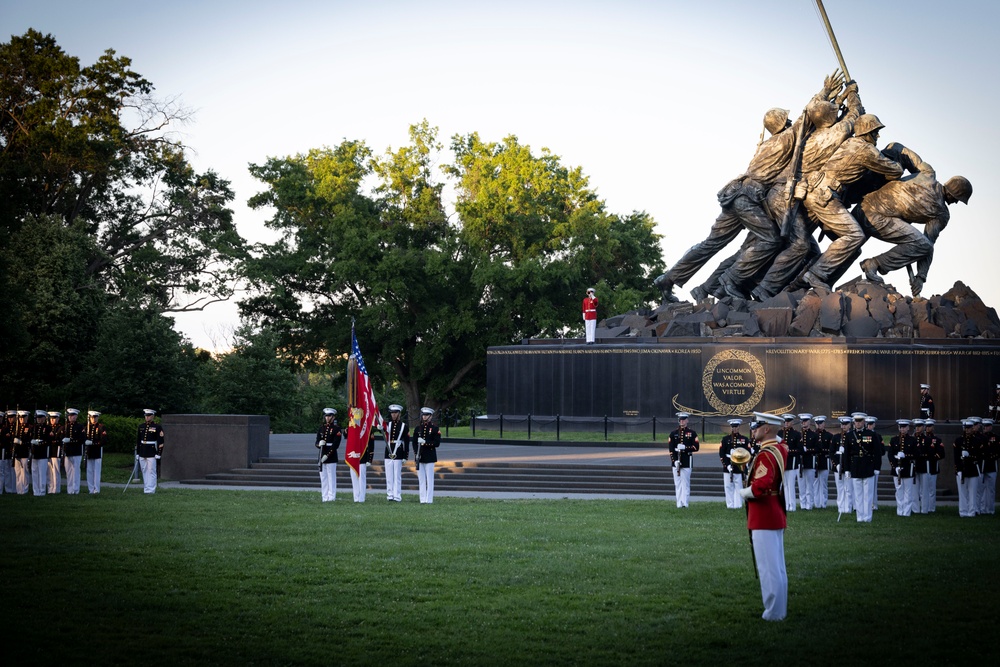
368,464
88,442
681,447
322,443
729,468
677,465
746,492
841,450
421,441
965,453
136,457
959,477
838,468
992,408
900,455
17,441
157,457
898,470
36,442
65,441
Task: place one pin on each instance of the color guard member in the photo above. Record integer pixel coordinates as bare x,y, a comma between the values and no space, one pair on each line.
397,450
327,441
590,315
682,443
871,423
428,438
96,439
766,517
732,477
936,454
807,473
994,406
7,452
149,449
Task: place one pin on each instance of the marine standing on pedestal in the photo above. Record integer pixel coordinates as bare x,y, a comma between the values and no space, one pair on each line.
590,315
428,439
732,478
96,439
149,449
327,441
793,441
682,443
766,517
926,402
73,439
397,450
994,406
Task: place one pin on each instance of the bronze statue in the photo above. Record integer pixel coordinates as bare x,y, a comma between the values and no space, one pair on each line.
890,212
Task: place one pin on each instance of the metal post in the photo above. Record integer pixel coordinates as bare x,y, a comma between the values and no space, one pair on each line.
654,428
557,428
501,426
472,421
605,428
529,426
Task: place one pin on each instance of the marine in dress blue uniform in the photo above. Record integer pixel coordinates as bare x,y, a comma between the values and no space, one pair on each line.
682,444
327,441
397,450
149,449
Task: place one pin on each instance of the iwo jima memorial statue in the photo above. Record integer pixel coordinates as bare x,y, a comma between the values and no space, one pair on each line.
769,331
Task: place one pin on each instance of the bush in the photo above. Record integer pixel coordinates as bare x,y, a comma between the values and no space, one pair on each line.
121,432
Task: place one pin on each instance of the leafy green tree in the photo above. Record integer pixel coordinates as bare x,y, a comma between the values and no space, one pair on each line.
250,379
429,295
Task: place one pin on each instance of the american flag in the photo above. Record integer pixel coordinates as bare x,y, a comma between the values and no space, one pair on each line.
362,416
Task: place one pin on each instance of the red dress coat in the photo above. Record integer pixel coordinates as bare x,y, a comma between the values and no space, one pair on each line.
590,308
766,509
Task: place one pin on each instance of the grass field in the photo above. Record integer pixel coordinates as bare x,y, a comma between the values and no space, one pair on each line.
276,578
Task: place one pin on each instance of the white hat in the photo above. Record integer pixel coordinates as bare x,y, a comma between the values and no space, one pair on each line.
998,386
871,420
149,412
925,386
968,423
683,415
805,416
591,290
858,416
987,422
844,419
93,413
768,418
929,422
23,413
72,411
54,414
974,420
395,408
735,422
821,419
329,412
41,413
902,422
918,422
12,413
426,411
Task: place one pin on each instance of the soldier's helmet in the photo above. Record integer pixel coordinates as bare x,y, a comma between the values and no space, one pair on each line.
822,113
959,187
867,123
775,120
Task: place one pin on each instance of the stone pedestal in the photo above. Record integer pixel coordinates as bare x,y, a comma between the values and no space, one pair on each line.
198,445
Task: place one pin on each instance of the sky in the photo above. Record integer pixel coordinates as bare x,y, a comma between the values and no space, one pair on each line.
659,102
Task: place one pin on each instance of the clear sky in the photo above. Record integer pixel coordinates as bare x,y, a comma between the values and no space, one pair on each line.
660,102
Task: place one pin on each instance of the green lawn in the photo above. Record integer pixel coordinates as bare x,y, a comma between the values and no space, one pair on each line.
275,578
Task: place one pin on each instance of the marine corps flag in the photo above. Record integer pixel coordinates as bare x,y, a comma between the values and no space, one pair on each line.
362,409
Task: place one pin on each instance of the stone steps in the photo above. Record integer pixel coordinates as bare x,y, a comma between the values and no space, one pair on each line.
496,476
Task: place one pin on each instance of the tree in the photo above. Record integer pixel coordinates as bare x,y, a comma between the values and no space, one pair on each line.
92,146
428,295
